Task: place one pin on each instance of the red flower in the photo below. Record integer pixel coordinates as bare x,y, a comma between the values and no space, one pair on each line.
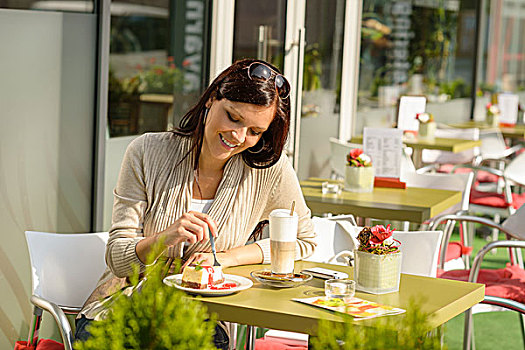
380,233
152,60
186,63
356,152
170,59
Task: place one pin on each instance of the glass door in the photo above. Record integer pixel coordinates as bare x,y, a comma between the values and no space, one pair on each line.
305,40
321,87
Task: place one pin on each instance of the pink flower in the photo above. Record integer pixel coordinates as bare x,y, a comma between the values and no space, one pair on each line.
380,233
356,152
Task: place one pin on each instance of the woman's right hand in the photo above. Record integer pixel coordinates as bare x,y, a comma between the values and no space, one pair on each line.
191,227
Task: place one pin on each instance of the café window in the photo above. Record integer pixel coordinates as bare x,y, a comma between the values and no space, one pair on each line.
158,63
502,53
419,47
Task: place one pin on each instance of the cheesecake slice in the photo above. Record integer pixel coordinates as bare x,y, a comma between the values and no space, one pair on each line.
202,277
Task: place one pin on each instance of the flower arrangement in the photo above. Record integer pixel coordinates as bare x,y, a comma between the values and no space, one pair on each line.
425,117
375,240
492,109
377,260
357,158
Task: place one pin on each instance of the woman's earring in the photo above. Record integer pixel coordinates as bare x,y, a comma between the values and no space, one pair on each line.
259,150
206,110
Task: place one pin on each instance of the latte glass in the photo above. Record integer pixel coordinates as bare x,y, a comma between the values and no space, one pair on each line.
283,236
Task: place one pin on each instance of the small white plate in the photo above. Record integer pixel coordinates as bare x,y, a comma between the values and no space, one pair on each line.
242,284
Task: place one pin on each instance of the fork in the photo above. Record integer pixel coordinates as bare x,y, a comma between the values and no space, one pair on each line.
212,242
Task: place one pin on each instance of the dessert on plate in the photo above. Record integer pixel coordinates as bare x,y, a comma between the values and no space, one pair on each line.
202,277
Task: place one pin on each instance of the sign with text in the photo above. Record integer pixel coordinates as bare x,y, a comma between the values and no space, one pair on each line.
508,105
385,147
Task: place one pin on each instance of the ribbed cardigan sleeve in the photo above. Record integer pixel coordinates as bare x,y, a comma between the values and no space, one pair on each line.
129,206
286,190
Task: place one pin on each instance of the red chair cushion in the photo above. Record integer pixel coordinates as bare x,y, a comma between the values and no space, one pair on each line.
482,175
43,344
495,200
456,250
506,283
274,344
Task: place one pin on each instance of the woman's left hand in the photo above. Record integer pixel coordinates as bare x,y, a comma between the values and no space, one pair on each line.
206,259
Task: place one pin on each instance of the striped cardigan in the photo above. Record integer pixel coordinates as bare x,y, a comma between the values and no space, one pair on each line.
154,188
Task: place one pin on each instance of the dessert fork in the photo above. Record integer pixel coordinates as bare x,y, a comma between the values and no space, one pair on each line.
212,242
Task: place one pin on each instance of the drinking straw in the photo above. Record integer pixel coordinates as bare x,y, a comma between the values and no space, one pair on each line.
293,206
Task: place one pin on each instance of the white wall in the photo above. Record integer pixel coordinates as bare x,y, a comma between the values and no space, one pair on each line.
47,70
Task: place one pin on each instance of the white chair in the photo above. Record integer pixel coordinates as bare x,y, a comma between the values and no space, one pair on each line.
420,251
65,270
338,152
335,239
444,157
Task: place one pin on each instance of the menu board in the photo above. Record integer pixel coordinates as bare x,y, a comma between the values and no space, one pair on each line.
508,105
409,107
385,147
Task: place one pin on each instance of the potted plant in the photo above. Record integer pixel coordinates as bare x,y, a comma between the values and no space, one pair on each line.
492,116
378,260
152,315
359,174
427,126
412,331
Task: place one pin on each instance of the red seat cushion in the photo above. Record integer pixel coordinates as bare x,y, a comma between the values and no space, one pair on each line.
495,200
273,344
482,176
43,344
456,250
506,283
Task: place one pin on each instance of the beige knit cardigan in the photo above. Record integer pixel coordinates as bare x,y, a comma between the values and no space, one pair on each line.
154,188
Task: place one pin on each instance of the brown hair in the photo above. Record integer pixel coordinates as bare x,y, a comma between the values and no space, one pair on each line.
235,85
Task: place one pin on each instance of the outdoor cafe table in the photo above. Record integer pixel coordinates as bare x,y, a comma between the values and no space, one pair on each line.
409,204
512,132
441,144
269,307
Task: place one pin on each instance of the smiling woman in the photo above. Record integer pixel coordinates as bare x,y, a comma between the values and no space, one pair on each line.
228,152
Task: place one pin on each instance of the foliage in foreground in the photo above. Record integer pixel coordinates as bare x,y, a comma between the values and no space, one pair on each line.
407,331
155,317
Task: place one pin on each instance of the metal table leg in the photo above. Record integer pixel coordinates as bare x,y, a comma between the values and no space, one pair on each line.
250,337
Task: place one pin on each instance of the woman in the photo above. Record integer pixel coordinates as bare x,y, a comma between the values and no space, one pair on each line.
222,171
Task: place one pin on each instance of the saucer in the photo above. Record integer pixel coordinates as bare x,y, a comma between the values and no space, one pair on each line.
266,277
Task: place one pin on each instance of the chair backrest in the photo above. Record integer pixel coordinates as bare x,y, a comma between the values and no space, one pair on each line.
333,237
515,223
338,152
515,170
420,251
66,267
452,182
445,157
407,109
492,144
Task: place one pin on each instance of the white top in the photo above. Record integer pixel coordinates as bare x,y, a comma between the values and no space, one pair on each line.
201,205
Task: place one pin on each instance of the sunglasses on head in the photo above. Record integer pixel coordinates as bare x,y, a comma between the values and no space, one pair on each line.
258,70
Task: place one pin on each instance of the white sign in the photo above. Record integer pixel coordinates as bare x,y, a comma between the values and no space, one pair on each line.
508,105
409,107
384,146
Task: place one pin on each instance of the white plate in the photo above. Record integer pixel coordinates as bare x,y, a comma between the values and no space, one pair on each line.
242,284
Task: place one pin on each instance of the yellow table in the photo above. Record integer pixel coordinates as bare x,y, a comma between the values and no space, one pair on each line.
409,204
269,307
441,144
515,132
